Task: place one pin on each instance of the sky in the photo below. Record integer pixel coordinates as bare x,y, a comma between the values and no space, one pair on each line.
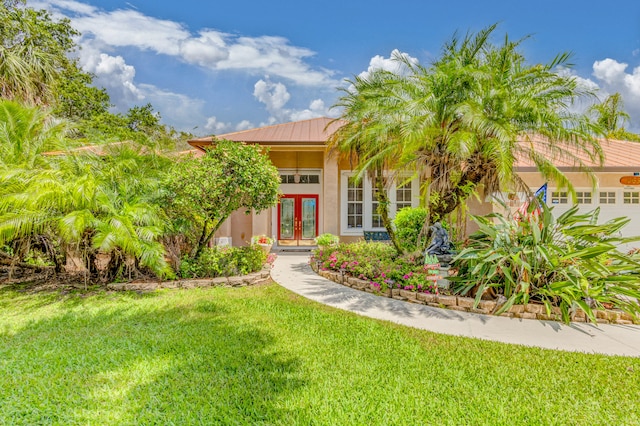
213,67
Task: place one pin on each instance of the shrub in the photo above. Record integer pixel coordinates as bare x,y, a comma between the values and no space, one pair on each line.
571,262
223,262
408,223
374,261
327,239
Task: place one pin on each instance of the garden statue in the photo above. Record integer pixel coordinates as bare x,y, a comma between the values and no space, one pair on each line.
440,245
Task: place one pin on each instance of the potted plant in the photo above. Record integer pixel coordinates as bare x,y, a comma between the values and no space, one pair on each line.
263,241
327,240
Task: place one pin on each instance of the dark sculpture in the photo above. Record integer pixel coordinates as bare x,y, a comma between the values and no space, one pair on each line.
440,245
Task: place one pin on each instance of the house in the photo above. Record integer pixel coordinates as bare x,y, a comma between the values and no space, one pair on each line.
618,184
320,194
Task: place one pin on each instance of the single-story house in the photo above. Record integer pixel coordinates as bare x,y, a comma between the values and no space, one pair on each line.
319,195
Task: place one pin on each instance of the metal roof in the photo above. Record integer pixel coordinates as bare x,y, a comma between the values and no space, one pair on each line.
314,131
619,155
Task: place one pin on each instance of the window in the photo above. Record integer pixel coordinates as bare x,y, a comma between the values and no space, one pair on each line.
359,203
403,196
376,218
355,203
631,197
306,178
559,197
607,197
583,197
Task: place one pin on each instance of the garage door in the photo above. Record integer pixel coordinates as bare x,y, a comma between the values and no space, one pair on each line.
613,202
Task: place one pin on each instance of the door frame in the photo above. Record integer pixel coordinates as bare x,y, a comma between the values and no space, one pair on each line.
297,218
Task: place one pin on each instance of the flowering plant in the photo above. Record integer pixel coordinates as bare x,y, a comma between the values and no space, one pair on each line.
261,239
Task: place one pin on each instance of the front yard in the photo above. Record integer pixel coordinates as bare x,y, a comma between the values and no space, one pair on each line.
262,355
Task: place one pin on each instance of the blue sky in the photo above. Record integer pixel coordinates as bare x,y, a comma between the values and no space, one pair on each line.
212,67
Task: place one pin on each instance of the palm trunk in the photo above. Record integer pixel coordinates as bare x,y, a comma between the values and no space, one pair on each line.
383,209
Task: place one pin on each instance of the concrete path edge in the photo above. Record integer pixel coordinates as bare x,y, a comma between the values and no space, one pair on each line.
292,271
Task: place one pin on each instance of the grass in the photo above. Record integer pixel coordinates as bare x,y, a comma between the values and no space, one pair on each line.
262,355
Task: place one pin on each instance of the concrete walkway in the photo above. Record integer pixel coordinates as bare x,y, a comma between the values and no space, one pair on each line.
292,271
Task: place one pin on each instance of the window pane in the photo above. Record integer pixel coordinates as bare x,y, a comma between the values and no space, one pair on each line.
354,204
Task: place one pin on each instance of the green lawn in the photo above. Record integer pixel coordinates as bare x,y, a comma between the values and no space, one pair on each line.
262,355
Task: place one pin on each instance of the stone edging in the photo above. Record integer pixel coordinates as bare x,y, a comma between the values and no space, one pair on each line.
259,277
465,304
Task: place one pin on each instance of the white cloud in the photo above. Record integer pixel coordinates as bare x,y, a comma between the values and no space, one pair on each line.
609,70
113,73
391,64
615,79
244,125
273,95
215,126
208,48
316,108
178,110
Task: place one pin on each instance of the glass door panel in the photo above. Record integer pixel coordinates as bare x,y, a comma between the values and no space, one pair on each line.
287,218
297,220
309,218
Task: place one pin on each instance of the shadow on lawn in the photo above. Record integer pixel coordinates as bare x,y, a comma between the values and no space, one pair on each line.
197,363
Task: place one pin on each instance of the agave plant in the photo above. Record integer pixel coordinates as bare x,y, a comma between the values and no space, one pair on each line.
571,262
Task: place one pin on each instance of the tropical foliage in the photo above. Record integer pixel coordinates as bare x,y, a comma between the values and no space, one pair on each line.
571,262
378,263
205,191
76,206
409,223
610,114
223,261
464,120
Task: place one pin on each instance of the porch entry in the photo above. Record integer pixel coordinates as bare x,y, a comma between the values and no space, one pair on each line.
297,219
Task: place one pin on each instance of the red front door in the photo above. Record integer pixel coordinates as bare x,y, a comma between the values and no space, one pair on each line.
297,220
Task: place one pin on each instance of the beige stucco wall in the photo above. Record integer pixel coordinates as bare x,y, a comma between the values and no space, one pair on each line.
331,196
578,179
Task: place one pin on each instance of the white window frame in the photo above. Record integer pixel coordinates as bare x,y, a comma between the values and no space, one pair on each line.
368,201
580,199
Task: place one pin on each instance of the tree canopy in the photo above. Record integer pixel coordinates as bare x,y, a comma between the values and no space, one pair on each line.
464,120
229,177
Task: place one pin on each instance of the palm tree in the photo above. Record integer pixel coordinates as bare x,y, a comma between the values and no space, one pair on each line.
464,120
33,53
611,116
78,205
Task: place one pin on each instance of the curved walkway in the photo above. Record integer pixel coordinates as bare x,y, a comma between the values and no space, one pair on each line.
292,271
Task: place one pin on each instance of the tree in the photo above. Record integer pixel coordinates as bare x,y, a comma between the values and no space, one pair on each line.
229,177
33,53
462,121
76,206
611,116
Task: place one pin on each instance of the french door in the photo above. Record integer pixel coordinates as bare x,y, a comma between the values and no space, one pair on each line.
297,220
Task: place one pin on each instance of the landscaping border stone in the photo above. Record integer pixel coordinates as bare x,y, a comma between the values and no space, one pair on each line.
485,307
255,278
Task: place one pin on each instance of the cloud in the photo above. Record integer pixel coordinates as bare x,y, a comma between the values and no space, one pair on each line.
113,73
391,64
273,95
244,125
215,126
609,70
614,78
316,108
208,48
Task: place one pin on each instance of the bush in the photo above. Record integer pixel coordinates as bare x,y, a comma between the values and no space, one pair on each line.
327,239
377,262
571,262
223,262
408,223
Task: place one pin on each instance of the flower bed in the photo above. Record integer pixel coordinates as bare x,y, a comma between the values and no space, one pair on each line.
440,299
404,279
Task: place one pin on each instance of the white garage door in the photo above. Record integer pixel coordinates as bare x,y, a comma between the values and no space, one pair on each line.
613,202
